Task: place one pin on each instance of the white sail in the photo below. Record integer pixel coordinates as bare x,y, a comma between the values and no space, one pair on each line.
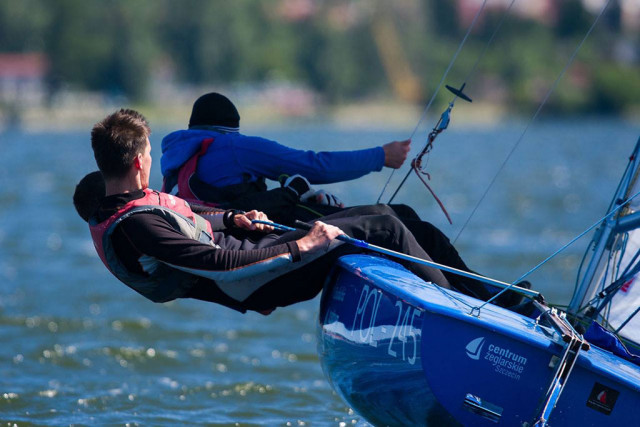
620,313
609,290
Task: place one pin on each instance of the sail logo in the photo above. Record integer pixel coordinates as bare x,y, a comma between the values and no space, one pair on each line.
602,398
503,360
474,348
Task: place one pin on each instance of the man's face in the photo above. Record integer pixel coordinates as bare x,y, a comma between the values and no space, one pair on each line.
145,165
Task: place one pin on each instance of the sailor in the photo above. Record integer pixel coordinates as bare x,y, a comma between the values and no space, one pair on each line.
156,244
88,194
91,190
213,162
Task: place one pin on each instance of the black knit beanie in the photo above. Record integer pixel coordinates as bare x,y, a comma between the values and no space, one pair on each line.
214,109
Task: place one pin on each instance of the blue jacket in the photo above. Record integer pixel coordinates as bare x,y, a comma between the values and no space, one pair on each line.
233,155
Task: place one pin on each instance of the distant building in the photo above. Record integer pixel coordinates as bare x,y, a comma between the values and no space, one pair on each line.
630,15
544,11
22,79
629,12
296,10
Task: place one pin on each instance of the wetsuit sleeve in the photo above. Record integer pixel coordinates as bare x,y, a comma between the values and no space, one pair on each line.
151,235
206,210
215,216
263,157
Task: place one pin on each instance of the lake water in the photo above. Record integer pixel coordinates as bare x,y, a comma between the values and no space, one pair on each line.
78,347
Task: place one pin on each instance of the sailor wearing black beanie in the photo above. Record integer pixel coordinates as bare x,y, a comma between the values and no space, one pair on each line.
214,109
218,164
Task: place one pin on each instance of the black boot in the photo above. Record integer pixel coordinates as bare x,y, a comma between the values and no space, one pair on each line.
512,298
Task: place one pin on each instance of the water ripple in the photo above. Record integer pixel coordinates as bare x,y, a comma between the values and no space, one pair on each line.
78,347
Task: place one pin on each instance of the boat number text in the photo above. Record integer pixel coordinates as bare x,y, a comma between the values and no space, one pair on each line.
404,334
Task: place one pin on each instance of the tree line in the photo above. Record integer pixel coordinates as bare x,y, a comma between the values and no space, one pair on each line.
344,50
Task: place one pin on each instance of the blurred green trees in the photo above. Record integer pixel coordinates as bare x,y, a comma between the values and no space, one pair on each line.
336,48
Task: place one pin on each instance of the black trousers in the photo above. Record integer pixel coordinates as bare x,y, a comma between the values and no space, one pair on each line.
375,224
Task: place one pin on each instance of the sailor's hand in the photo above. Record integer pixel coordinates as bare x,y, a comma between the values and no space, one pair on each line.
395,153
319,237
244,221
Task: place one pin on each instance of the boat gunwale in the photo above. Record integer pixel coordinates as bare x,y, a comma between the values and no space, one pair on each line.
528,330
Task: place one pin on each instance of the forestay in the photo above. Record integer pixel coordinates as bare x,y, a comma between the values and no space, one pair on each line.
609,289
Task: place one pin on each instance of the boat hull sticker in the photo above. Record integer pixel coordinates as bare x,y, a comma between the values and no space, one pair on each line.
602,398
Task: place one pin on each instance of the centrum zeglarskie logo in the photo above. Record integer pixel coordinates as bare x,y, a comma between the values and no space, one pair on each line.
504,361
474,348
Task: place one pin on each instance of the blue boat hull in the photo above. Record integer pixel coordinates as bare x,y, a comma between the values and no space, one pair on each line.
400,351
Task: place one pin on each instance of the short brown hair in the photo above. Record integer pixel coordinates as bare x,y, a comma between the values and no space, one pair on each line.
117,140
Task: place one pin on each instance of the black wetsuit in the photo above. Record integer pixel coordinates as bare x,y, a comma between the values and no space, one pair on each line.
149,234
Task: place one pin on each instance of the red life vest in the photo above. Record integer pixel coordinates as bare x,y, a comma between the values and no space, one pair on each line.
178,213
188,170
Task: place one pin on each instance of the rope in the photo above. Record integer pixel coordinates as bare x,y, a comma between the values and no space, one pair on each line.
595,224
313,211
486,46
626,184
546,97
444,76
466,79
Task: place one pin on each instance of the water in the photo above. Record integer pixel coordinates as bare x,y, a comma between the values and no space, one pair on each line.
78,347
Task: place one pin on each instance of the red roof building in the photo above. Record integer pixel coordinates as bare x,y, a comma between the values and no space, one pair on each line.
22,78
540,10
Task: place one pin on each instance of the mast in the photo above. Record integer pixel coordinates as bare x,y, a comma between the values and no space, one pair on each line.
610,242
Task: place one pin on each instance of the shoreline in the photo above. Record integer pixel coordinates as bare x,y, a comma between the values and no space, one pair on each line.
355,116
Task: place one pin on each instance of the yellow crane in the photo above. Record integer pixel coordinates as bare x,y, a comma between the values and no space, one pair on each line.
405,84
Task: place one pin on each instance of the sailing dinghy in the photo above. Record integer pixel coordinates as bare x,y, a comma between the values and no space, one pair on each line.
401,351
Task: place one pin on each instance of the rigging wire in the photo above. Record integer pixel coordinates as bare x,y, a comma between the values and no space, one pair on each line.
524,132
444,76
626,183
457,93
594,225
489,42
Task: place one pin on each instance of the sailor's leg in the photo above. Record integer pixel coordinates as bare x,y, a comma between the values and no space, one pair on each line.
431,240
388,231
299,285
400,211
358,211
307,281
405,212
436,244
381,230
